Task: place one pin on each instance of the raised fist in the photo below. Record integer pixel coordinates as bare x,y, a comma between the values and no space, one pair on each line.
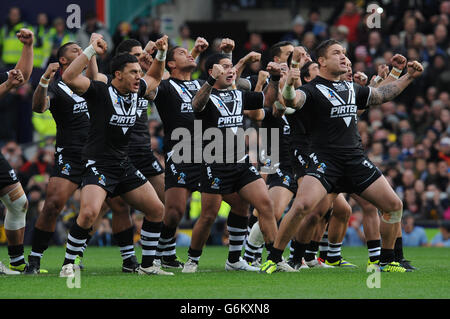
201,44
293,76
252,57
227,45
360,78
217,71
383,71
25,36
162,44
262,76
415,69
100,46
273,68
95,37
15,78
51,70
398,61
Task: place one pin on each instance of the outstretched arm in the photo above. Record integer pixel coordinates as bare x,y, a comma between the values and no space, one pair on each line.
25,63
73,76
92,69
41,101
155,73
272,89
202,96
391,90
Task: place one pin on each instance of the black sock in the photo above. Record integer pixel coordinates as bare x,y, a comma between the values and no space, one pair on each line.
299,250
75,241
150,233
40,242
274,254
311,250
334,252
398,249
323,246
237,228
374,248
167,243
125,242
194,254
386,256
16,255
81,253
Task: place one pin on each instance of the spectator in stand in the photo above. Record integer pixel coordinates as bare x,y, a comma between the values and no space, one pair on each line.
123,32
155,30
184,39
296,35
431,49
255,43
142,34
43,42
350,18
354,235
442,239
413,235
92,25
441,36
316,25
444,149
407,140
409,30
420,120
309,42
433,206
60,36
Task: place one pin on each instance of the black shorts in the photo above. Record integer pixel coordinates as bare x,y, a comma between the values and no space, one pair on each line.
115,179
342,173
147,163
227,178
283,178
68,167
182,175
299,161
7,174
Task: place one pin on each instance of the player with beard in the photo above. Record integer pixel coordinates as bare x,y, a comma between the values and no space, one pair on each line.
338,157
12,194
226,172
109,172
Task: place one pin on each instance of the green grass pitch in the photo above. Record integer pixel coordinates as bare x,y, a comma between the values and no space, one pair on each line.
102,278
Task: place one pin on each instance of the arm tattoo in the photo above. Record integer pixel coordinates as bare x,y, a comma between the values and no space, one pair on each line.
201,98
389,91
271,93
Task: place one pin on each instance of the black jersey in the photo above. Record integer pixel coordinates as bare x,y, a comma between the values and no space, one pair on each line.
300,131
331,112
113,116
284,137
140,138
174,103
225,111
70,112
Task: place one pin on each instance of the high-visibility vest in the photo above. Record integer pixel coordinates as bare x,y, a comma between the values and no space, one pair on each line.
42,46
44,124
11,46
66,38
196,207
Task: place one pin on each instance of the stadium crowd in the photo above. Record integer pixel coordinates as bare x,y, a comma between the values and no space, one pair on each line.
408,138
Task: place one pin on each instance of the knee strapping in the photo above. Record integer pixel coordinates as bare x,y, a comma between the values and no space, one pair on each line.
392,217
16,204
256,237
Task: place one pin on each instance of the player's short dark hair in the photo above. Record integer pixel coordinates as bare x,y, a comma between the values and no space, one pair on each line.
119,62
170,56
127,45
214,59
275,50
321,49
304,71
62,50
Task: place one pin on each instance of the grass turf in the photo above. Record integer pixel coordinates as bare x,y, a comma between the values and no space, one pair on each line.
102,278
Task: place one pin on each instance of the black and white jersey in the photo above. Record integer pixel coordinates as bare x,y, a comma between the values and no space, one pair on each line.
331,113
225,111
300,131
284,138
70,112
113,116
140,138
174,103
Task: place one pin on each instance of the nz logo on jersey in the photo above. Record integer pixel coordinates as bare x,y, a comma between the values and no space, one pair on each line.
216,183
66,169
123,118
230,107
181,178
341,109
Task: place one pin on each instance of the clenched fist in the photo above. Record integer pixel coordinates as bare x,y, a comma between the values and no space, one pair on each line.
217,71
